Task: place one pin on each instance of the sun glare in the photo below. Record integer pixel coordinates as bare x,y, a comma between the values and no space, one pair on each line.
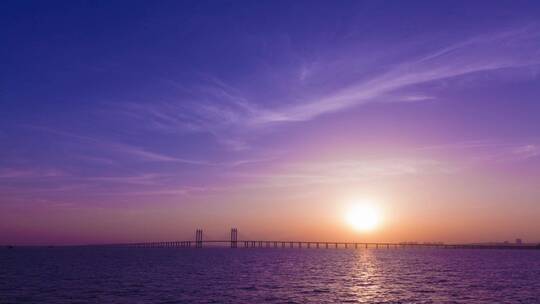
363,216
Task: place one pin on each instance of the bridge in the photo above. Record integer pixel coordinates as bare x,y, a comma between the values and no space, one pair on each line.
234,242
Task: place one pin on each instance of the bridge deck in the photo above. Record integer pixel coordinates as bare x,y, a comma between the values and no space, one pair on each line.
314,245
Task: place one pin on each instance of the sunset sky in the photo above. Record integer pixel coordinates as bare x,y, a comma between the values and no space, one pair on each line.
142,121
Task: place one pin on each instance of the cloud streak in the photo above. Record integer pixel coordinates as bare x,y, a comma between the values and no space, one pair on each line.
143,154
511,49
342,172
11,173
224,112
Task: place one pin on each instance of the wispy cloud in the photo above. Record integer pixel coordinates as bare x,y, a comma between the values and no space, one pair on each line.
488,150
509,49
341,172
123,149
214,108
527,151
174,191
12,173
224,111
96,160
151,156
468,144
142,154
140,179
516,153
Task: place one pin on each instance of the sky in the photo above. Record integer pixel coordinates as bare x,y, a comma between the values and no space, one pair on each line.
131,121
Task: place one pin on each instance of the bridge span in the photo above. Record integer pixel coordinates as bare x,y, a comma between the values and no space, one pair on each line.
234,242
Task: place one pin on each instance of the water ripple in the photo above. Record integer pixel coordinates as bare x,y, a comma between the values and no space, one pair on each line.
167,275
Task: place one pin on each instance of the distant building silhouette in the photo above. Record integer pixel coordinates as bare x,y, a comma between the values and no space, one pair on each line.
519,242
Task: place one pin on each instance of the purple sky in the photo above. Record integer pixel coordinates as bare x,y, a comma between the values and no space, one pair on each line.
132,121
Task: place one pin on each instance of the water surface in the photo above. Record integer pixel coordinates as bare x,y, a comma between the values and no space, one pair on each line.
220,275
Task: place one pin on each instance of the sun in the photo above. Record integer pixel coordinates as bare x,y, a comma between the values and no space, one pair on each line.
363,216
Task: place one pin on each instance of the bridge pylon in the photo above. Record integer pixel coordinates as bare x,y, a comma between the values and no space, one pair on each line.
234,238
198,238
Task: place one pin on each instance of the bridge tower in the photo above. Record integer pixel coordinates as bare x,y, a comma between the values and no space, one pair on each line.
234,238
198,238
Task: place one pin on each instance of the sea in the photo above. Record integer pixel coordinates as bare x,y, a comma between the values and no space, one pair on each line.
261,275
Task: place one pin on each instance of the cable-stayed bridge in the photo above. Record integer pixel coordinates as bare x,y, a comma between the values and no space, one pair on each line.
234,242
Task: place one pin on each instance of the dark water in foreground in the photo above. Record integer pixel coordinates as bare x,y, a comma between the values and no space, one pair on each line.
169,275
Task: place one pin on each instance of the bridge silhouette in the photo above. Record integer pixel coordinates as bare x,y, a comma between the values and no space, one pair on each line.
233,242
